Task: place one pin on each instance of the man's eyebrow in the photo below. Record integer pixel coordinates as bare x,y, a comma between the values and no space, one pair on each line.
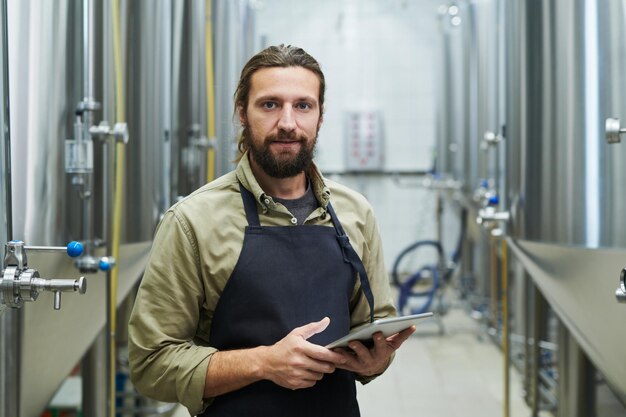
276,98
266,98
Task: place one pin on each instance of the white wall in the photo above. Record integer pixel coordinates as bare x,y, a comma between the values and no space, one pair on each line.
375,54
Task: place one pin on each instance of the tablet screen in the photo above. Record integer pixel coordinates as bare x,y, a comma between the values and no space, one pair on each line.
388,327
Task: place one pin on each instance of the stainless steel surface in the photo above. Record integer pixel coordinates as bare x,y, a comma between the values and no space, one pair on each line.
566,76
94,376
51,52
579,284
45,61
189,112
450,116
11,329
234,45
576,377
148,82
10,321
564,68
66,335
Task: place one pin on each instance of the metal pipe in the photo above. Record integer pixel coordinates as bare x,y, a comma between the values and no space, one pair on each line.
87,119
11,320
493,283
88,50
539,314
94,376
505,326
5,128
11,362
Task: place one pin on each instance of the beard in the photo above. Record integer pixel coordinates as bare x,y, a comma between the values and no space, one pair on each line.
283,165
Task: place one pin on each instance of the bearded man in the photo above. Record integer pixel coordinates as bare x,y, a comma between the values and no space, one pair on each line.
252,275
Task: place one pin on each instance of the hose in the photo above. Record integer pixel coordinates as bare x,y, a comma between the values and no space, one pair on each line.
406,287
440,274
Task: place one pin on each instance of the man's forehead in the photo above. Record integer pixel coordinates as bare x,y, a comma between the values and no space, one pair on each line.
275,80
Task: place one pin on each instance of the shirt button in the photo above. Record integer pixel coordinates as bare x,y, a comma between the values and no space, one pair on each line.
294,220
267,201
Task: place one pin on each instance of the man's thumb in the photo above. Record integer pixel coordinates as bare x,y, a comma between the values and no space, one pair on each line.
310,329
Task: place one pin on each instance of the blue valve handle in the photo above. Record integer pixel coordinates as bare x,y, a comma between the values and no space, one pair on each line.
74,249
106,263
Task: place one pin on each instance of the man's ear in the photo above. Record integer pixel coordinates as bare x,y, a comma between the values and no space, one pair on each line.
243,120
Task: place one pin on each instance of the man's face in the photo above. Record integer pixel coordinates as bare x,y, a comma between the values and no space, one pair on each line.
282,119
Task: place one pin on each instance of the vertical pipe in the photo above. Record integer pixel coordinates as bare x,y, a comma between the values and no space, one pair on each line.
210,89
95,362
538,331
88,50
10,362
505,326
5,131
528,283
93,373
11,320
493,281
116,224
87,119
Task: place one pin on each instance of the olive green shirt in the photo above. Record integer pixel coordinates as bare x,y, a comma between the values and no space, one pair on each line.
194,252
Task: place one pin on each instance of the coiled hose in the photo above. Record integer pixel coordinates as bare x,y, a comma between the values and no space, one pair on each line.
439,273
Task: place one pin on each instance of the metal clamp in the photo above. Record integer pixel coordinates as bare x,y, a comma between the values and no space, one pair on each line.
620,293
613,130
19,283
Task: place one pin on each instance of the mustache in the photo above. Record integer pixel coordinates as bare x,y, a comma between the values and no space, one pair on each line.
286,136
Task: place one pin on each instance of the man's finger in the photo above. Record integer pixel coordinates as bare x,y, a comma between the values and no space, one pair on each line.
311,329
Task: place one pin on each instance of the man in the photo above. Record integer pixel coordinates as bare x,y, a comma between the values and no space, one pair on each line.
252,275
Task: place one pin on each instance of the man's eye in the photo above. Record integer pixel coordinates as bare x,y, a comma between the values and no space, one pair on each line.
269,105
303,106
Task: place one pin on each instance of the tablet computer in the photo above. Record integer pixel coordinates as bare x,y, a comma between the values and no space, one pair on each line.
388,327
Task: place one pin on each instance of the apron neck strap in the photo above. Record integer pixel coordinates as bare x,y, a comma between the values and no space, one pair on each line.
350,256
249,205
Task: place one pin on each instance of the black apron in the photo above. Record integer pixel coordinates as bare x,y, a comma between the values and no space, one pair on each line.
286,277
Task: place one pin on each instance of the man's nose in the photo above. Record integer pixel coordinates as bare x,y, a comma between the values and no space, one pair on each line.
287,121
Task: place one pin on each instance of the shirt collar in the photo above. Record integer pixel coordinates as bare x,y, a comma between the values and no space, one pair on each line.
246,177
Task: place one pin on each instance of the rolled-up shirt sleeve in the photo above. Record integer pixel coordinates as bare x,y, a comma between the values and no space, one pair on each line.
165,363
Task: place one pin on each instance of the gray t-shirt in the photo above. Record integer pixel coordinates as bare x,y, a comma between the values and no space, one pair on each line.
301,207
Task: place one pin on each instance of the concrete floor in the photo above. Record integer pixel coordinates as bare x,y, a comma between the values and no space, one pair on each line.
458,373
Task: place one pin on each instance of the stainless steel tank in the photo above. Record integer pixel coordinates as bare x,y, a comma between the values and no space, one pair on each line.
234,44
451,114
565,63
47,44
471,89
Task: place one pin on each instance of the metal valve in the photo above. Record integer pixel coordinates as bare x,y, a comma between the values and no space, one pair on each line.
620,293
613,130
103,130
490,214
490,139
19,283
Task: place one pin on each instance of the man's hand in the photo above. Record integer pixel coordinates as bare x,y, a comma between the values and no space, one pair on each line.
294,363
373,361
